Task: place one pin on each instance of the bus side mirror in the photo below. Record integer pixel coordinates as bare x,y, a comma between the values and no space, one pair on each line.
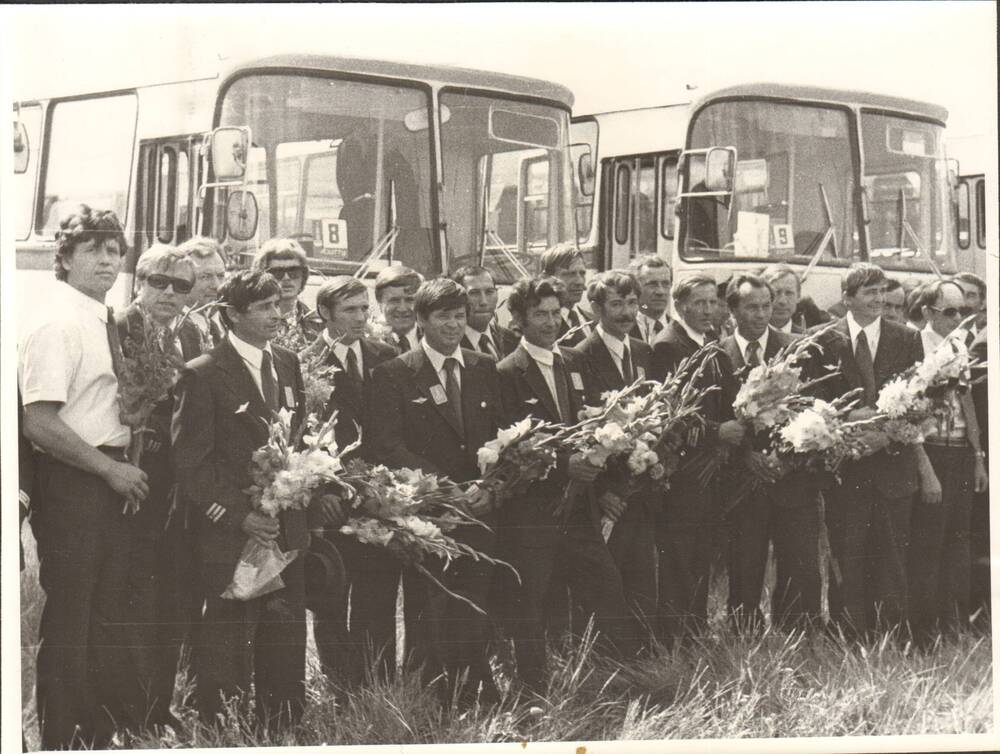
228,150
22,149
719,169
584,168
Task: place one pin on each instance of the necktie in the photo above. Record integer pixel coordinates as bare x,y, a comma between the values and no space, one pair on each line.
352,365
486,347
562,393
657,329
114,345
863,358
628,374
268,386
452,389
403,342
753,353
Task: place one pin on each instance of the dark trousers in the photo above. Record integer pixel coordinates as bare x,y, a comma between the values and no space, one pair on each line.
685,540
445,635
869,541
756,522
632,545
356,630
260,642
979,543
83,661
573,554
940,555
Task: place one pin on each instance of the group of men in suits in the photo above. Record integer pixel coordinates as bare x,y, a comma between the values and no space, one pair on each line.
426,393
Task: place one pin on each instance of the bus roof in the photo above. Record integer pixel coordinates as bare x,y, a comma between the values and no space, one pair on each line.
639,131
446,75
829,96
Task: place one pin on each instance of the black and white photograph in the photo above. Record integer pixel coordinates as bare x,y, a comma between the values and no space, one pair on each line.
579,377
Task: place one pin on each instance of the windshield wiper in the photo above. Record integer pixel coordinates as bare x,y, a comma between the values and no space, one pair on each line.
829,236
905,229
378,250
493,238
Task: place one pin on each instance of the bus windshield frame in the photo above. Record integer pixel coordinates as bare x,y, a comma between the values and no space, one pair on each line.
367,214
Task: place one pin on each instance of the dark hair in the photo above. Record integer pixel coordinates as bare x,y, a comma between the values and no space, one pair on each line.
529,292
244,288
930,292
335,290
647,262
469,271
556,258
912,307
892,284
286,249
859,275
683,289
439,294
622,283
775,272
396,276
972,279
84,225
733,297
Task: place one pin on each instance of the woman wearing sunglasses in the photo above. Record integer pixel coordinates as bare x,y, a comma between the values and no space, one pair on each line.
164,278
286,260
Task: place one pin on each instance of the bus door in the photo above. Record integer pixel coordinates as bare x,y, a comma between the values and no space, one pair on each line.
638,193
166,210
970,200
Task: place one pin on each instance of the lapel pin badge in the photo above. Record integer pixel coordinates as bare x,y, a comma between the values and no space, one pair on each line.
438,394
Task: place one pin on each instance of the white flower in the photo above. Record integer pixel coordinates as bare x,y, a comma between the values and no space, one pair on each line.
514,432
488,455
809,430
895,399
610,435
418,527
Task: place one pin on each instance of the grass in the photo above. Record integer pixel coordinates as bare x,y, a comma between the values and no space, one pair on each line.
723,685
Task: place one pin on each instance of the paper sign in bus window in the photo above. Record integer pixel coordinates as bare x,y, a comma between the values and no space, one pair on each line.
781,236
334,236
752,233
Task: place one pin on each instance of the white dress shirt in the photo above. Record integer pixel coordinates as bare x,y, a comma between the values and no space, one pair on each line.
545,360
340,350
743,343
64,357
953,430
697,337
411,338
475,336
252,358
647,326
872,332
437,361
785,328
583,316
617,349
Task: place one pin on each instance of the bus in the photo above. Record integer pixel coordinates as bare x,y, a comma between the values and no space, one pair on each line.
760,173
972,237
365,162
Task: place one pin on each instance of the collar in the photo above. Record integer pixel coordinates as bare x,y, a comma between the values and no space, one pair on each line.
650,322
931,339
474,335
743,343
410,336
437,358
872,330
539,354
340,348
83,301
697,337
785,328
250,354
616,346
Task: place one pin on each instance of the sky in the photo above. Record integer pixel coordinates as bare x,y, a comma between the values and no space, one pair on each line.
612,56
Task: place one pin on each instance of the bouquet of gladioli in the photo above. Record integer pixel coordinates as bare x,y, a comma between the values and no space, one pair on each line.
317,378
285,478
820,435
775,391
910,404
521,454
409,513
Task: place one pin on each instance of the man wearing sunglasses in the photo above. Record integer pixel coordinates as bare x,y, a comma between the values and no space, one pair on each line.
157,585
285,260
940,556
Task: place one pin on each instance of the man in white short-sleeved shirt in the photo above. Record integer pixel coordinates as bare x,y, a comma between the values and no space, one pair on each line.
83,485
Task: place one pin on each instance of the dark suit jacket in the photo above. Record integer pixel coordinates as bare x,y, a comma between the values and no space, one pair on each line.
899,347
598,366
506,340
348,396
214,438
577,337
191,338
980,397
406,428
524,392
636,331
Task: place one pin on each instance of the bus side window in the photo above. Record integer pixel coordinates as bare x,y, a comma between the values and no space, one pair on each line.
91,143
623,195
981,213
668,196
962,207
25,182
166,196
645,208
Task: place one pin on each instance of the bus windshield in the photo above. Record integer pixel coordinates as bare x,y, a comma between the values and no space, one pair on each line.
508,187
906,183
794,185
341,166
